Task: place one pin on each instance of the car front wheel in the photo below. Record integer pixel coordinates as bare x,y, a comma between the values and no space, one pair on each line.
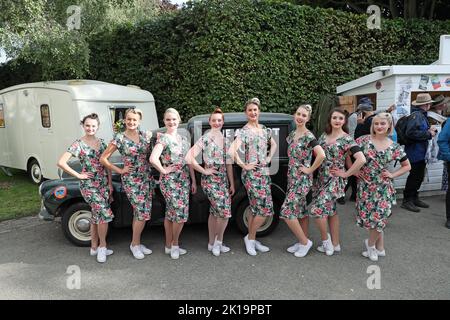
76,224
242,213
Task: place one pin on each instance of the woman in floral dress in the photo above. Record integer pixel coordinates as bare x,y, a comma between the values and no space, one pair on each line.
95,183
331,179
301,146
217,179
174,180
376,192
134,146
254,139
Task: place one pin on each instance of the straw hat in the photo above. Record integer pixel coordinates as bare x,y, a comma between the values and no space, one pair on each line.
422,98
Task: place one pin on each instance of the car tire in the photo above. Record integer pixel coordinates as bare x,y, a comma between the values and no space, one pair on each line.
267,228
75,222
34,172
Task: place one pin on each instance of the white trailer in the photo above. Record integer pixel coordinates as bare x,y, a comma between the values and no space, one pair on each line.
38,121
400,84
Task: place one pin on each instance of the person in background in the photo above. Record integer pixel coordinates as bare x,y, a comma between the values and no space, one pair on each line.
435,118
444,154
419,132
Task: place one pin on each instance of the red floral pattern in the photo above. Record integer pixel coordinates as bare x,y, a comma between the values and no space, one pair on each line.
299,184
137,184
176,185
376,195
95,191
257,182
328,188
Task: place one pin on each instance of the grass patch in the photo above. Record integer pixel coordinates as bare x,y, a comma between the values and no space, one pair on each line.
19,197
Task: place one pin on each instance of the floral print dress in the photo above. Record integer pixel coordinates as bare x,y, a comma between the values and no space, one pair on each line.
136,184
376,194
176,185
300,152
216,186
95,191
328,188
257,181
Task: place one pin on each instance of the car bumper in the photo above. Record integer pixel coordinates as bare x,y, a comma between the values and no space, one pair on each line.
44,214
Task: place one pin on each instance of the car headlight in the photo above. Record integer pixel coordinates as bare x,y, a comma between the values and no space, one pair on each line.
40,190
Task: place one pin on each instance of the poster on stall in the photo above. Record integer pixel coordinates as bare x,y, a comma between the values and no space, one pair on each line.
402,102
423,84
435,82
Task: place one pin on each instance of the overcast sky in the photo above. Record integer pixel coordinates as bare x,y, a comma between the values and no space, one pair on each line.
2,56
178,1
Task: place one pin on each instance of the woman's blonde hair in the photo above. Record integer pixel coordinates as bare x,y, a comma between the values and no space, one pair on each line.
307,107
174,111
383,116
254,101
134,111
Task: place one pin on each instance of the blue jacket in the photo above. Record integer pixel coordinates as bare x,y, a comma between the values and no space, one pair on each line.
444,143
417,132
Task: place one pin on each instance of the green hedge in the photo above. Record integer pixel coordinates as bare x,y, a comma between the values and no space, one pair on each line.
222,52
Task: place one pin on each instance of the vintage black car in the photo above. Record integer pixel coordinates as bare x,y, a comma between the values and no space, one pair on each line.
62,197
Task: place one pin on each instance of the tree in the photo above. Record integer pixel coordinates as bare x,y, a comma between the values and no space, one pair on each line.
55,34
408,9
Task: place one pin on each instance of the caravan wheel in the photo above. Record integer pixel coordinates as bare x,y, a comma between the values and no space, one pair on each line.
35,172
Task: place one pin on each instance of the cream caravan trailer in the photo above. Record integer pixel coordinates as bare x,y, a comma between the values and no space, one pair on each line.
38,121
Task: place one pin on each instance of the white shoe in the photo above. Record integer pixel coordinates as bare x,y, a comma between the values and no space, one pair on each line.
181,250
303,249
175,252
94,252
145,250
379,253
250,246
371,252
294,248
223,248
216,248
337,249
328,246
137,253
260,247
101,254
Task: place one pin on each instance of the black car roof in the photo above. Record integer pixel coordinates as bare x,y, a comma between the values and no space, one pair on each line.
239,118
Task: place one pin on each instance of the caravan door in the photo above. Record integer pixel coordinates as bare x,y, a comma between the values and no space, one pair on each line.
45,109
4,148
57,127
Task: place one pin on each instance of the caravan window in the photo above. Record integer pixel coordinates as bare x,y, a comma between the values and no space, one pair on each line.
45,116
2,116
118,112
